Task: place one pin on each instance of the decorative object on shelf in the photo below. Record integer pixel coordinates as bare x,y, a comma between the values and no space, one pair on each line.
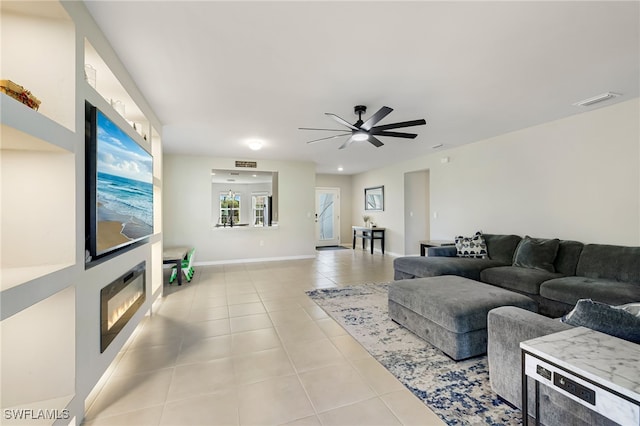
19,93
118,106
366,219
374,198
90,75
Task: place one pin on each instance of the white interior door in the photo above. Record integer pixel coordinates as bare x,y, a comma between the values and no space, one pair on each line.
327,217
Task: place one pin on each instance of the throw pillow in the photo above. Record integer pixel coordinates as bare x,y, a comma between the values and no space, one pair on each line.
471,246
632,308
611,320
536,253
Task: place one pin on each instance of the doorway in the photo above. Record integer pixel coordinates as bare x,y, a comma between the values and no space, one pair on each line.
416,210
327,217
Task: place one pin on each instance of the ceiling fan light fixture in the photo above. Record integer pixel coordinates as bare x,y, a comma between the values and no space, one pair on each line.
360,136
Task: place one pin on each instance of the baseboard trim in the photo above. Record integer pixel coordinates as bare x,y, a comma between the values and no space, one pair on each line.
252,260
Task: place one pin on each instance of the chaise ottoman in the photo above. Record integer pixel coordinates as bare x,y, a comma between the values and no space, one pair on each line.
450,312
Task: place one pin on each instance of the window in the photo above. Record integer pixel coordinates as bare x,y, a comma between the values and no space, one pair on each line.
259,205
229,207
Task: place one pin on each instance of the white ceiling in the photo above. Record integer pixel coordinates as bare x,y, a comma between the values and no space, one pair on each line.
219,73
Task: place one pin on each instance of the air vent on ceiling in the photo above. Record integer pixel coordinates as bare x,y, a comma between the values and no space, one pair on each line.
594,100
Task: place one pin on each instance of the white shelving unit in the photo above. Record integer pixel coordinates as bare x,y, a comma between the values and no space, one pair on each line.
49,299
38,215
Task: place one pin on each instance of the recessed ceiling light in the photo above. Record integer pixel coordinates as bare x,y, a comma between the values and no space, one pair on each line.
595,99
255,144
340,168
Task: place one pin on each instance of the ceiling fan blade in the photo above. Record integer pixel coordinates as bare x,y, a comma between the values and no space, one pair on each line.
329,137
402,124
328,130
382,113
346,144
375,141
394,134
341,121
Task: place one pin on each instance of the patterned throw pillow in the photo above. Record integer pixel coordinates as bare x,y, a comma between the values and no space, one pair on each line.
471,246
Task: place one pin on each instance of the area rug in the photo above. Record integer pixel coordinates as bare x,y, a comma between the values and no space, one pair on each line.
458,392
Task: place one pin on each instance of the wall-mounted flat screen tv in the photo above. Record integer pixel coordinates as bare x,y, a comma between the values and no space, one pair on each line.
119,186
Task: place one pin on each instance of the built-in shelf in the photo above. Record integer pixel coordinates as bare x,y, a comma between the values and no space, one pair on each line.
38,52
38,354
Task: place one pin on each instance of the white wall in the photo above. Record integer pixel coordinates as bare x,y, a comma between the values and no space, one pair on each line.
187,215
345,183
575,178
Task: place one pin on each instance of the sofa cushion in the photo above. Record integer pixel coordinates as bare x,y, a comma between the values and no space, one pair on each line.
525,280
617,263
536,253
421,266
605,318
471,246
568,256
502,247
570,289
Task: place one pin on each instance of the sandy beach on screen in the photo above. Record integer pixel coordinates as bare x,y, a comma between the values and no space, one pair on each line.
110,235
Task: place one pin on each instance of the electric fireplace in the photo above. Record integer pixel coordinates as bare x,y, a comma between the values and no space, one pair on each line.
119,301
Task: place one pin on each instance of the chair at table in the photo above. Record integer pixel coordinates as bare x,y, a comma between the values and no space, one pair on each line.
187,267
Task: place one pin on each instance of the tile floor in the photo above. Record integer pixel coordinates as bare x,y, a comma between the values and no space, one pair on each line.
242,344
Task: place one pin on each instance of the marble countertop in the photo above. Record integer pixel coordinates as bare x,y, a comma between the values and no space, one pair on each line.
611,362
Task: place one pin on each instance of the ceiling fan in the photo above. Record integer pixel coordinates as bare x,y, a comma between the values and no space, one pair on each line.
367,130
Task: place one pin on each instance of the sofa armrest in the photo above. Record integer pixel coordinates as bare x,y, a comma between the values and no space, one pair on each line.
442,251
507,326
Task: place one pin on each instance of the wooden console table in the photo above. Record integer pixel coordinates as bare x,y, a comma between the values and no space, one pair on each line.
370,234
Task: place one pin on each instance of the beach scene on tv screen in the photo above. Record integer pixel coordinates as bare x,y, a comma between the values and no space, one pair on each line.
124,188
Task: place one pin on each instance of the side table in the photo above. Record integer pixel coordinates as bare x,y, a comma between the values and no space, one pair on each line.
424,244
594,369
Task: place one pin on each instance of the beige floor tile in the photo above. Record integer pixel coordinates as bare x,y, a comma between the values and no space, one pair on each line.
335,386
199,378
315,312
289,316
204,329
250,322
256,366
254,341
371,412
246,309
410,410
131,393
281,304
204,350
330,327
350,347
378,377
305,421
313,354
239,298
210,302
219,408
145,359
208,314
144,417
298,332
273,401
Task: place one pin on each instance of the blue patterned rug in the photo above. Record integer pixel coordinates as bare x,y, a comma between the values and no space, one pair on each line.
458,392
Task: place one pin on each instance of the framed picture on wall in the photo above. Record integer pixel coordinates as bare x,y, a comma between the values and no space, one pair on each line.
374,198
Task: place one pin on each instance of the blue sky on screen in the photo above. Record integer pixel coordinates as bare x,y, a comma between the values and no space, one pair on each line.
119,155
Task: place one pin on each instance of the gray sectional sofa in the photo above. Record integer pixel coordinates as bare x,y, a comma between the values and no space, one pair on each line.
605,273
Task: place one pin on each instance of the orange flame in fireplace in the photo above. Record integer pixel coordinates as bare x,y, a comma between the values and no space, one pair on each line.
120,310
